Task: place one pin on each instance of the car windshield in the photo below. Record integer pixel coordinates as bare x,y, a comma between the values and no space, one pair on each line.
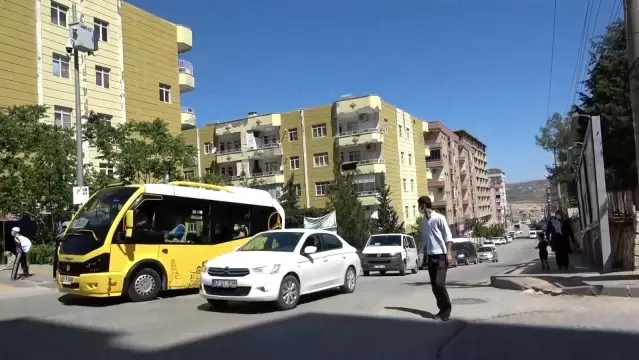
283,241
385,240
485,249
93,221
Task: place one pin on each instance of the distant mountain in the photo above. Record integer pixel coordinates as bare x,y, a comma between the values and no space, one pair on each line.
534,190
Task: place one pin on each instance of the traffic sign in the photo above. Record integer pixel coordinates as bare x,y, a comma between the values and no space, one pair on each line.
80,195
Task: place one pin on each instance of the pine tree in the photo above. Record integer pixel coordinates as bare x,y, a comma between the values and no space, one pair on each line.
290,202
387,221
352,224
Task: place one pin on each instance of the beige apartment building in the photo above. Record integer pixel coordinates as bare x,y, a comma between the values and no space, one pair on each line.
459,187
363,133
499,204
136,74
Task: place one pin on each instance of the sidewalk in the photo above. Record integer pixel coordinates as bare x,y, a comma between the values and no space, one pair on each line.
578,280
40,281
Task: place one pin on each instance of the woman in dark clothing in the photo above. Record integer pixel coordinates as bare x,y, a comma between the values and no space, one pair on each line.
559,233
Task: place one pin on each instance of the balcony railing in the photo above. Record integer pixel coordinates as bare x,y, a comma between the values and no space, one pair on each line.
431,143
359,132
185,67
270,145
266,173
367,192
188,110
370,161
230,151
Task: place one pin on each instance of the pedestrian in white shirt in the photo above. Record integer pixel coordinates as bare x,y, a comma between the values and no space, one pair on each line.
23,246
437,241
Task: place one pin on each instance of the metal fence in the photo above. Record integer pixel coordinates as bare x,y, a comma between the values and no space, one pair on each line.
593,199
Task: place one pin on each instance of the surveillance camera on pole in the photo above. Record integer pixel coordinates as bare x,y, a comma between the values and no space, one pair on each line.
81,39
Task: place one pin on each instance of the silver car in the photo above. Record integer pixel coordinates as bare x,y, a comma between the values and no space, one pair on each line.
487,253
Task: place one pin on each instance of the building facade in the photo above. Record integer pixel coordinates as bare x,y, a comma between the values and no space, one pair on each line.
499,203
135,74
479,183
365,134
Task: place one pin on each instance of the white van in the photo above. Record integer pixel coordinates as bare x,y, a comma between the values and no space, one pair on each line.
532,234
390,252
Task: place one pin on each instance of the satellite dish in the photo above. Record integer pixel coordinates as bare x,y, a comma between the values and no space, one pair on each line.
213,150
282,167
374,215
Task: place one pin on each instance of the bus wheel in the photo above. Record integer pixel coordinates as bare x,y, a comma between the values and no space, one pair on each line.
145,285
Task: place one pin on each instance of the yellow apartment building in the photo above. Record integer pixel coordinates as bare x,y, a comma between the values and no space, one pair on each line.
136,74
363,133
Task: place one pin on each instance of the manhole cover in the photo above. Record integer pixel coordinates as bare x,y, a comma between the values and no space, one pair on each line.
467,301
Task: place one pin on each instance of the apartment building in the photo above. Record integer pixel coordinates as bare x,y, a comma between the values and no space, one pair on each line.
364,133
474,153
134,75
499,204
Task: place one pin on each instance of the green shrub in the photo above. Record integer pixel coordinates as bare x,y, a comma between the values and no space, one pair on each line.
41,254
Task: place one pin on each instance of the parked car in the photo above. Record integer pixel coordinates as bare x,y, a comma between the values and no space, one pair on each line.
466,252
280,266
390,252
488,253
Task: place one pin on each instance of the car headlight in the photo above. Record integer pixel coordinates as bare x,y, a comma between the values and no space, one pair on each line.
269,269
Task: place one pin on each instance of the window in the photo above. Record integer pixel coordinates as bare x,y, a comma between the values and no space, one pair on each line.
351,127
106,169
414,208
59,14
271,166
354,155
295,162
165,93
60,66
412,185
401,158
62,117
208,147
406,211
330,242
405,187
410,159
237,144
292,134
411,242
320,160
102,76
297,190
400,131
319,130
321,188
407,134
105,118
189,175
101,29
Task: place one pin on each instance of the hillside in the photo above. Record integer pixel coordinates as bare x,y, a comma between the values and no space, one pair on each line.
534,190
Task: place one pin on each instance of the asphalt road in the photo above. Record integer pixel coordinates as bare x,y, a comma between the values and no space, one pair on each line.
387,317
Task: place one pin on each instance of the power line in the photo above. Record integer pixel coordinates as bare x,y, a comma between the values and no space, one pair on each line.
579,58
552,57
590,34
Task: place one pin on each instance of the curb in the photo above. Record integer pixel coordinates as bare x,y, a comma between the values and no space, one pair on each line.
525,283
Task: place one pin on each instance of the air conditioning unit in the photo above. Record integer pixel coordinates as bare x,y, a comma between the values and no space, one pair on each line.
363,117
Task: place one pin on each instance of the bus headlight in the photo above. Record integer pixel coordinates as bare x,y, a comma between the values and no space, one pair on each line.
269,269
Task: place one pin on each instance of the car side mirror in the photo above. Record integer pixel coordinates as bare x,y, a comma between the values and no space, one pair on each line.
128,224
310,250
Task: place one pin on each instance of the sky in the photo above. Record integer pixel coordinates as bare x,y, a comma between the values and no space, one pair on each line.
482,66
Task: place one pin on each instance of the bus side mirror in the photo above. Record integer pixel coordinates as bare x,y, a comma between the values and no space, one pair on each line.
128,224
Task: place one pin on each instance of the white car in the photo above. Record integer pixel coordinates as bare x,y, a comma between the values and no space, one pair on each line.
280,266
390,252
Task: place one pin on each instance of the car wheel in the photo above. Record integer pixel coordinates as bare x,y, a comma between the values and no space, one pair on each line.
144,286
480,261
289,293
350,280
402,268
367,273
217,304
416,268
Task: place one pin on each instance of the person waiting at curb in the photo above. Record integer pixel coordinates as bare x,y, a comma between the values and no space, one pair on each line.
23,246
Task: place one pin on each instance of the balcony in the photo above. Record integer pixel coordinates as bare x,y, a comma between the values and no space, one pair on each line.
186,76
361,136
187,117
431,195
434,163
371,166
230,155
356,106
440,202
426,150
436,183
265,151
429,174
269,178
264,121
368,198
425,127
184,39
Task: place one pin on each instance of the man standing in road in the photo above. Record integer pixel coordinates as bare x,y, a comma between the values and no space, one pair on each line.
23,246
437,241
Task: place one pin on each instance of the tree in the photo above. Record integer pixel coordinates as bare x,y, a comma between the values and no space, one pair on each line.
416,231
141,152
607,94
352,224
290,202
38,167
387,220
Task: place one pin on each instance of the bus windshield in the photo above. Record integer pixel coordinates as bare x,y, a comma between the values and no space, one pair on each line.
92,222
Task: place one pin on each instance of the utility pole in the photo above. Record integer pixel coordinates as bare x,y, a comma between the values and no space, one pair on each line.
79,166
631,9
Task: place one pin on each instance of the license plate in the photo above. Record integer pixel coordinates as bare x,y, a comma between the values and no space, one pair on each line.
380,266
66,280
229,284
